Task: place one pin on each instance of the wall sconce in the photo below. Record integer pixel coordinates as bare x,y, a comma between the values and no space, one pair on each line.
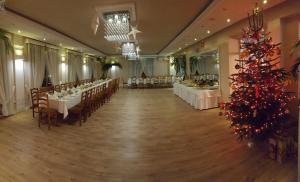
63,58
19,52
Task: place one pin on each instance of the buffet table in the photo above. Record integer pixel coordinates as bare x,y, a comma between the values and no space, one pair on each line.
68,101
199,98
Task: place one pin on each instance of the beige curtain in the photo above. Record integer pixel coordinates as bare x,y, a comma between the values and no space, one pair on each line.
7,88
35,65
89,68
52,62
92,67
74,66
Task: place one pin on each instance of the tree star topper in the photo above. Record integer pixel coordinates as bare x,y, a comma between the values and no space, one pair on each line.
134,31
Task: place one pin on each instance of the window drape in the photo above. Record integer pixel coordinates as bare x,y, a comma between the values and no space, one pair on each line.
147,66
35,64
135,68
7,89
95,67
74,67
52,63
204,65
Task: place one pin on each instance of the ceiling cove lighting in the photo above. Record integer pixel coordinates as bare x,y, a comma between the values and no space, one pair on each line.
117,26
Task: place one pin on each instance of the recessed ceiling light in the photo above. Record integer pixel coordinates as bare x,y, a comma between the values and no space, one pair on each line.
19,31
179,48
228,20
195,39
44,39
265,1
60,44
208,31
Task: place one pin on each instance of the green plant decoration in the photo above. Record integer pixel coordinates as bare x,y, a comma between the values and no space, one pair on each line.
294,69
107,65
7,42
175,63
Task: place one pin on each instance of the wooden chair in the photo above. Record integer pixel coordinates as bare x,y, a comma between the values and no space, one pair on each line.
57,88
70,85
94,99
44,110
79,109
103,92
118,83
64,86
34,101
88,103
98,96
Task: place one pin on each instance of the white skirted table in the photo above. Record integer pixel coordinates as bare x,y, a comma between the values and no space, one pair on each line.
197,97
63,104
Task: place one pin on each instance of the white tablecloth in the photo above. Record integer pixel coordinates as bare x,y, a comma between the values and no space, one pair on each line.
69,101
196,97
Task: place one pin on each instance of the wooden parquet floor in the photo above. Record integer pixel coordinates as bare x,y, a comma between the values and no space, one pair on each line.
140,135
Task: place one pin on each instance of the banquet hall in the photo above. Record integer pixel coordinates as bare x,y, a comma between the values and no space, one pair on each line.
149,90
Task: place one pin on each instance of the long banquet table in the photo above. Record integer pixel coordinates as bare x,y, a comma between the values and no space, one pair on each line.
198,98
64,104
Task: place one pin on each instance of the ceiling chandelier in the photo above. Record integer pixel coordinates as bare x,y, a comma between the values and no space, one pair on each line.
117,26
130,50
2,5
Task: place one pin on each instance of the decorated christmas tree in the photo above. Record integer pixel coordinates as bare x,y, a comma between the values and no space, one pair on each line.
258,103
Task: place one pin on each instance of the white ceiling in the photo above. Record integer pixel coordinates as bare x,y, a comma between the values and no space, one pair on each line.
214,18
167,25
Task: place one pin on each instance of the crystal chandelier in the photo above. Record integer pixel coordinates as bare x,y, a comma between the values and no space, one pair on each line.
128,48
2,5
132,56
117,26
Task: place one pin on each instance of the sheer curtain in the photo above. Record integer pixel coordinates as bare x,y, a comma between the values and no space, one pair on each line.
204,65
35,64
95,67
147,66
7,89
135,68
52,62
74,67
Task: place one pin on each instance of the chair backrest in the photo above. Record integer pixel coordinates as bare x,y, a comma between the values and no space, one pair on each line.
57,88
70,85
33,93
43,101
64,86
84,98
88,96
